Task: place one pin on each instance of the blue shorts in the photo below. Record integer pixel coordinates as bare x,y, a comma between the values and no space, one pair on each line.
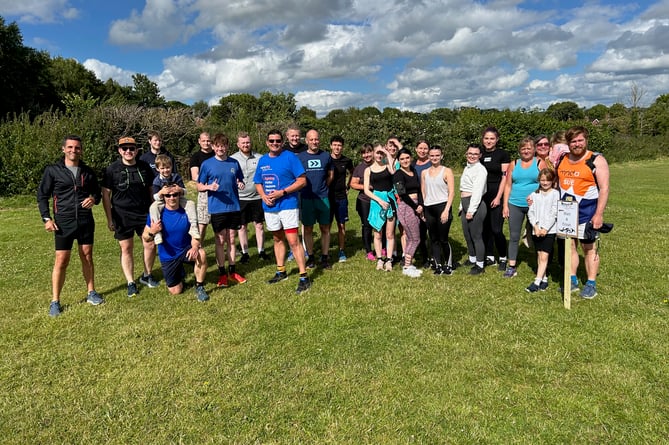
315,211
339,210
173,270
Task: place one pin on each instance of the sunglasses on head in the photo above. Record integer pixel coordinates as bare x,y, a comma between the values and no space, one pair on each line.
172,195
128,148
274,141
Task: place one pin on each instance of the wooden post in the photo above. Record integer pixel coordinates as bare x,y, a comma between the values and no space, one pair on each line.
566,280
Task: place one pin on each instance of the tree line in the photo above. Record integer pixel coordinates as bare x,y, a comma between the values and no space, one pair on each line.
46,98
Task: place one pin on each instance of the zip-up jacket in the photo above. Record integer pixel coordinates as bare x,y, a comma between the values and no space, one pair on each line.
67,191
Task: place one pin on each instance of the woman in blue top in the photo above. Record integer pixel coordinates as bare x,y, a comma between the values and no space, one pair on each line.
522,180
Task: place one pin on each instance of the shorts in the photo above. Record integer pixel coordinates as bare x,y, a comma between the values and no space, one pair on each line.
544,243
223,221
123,232
173,270
315,210
251,211
203,216
70,230
283,219
339,210
581,235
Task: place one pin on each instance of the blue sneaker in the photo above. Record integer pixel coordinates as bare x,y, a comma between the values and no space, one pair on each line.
543,285
303,285
202,294
574,288
510,272
148,281
589,291
132,290
94,298
290,256
532,288
278,276
54,309
342,256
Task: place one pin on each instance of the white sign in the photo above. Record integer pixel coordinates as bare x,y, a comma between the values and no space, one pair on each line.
567,219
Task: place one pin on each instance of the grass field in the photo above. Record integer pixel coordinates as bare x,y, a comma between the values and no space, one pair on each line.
362,357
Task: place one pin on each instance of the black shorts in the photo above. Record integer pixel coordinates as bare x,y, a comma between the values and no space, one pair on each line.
251,211
544,243
173,271
70,229
222,221
127,225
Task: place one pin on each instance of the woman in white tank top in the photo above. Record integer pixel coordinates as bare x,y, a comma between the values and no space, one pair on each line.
438,188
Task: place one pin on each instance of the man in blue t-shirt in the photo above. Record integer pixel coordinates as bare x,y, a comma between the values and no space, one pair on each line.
279,175
315,204
222,178
178,247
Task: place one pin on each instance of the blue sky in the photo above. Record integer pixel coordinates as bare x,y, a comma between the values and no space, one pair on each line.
414,55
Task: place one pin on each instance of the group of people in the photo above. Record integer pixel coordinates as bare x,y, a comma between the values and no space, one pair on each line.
297,185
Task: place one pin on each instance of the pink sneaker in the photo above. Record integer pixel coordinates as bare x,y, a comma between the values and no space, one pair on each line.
370,256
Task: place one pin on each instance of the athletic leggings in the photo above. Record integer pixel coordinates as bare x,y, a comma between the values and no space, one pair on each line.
473,230
411,223
439,233
493,226
367,236
516,217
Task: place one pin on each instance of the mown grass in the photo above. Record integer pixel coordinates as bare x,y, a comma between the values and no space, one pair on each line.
363,357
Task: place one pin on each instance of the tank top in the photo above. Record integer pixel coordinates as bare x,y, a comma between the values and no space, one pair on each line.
524,181
436,189
381,181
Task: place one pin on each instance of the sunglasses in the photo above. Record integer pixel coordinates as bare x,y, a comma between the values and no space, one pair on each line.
542,144
128,148
172,195
274,141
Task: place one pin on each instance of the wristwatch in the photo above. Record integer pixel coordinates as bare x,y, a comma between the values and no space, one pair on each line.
46,220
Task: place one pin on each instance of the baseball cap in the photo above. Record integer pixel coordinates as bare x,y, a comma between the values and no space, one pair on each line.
126,141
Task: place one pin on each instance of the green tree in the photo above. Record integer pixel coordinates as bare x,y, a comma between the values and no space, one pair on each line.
565,111
70,78
599,111
24,78
146,92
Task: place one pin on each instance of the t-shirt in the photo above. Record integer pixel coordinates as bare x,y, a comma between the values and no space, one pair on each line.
317,166
359,172
199,157
130,187
277,173
420,168
338,185
248,164
299,148
492,161
226,172
175,234
150,159
159,182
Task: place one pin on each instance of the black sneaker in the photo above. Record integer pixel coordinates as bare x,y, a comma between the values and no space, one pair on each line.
488,262
149,281
132,290
278,276
325,264
245,258
303,285
501,266
311,264
476,270
543,285
469,263
263,256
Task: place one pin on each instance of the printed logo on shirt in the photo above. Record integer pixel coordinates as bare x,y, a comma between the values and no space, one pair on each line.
314,163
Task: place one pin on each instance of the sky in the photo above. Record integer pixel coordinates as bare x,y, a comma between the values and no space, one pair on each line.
334,54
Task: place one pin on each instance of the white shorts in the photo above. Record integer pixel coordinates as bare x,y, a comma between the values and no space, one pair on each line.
283,219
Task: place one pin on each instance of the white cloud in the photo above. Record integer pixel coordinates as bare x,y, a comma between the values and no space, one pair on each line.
104,71
37,11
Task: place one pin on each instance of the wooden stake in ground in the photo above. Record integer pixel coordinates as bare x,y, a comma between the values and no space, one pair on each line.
567,227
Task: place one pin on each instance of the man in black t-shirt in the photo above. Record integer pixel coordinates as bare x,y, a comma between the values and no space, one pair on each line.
126,198
339,191
294,140
156,148
205,152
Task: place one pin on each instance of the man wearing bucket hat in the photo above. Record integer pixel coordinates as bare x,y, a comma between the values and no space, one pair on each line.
126,197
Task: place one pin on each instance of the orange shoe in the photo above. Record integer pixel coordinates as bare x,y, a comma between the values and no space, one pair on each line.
238,278
223,281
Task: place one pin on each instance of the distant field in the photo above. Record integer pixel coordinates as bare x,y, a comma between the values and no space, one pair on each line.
362,357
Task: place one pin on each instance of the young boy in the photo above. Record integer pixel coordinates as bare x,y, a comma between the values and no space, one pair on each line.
164,180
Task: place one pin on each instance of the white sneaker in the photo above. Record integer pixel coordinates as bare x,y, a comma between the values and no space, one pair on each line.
409,272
